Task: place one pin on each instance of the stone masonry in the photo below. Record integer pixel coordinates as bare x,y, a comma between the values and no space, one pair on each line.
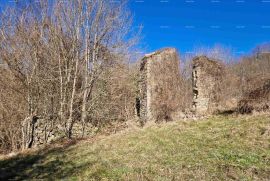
158,72
207,77
38,131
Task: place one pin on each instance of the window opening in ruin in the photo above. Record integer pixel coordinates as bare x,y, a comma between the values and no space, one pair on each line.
138,106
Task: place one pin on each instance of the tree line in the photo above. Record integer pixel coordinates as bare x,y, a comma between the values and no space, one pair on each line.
64,61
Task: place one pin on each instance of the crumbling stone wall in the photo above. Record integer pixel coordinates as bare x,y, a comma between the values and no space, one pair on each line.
46,131
207,82
38,131
158,85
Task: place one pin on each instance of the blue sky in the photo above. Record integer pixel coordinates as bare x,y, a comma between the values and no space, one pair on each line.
185,24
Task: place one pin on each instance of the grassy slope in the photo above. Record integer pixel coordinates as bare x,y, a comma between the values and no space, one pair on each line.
219,148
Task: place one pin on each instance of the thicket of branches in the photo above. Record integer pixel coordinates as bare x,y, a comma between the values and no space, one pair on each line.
66,62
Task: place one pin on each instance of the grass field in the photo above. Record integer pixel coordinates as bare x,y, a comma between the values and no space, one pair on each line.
219,148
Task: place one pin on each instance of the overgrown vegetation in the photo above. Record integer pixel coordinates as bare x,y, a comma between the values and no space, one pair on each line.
218,148
241,76
166,85
65,63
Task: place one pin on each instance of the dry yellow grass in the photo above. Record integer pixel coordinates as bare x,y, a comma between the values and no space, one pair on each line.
218,148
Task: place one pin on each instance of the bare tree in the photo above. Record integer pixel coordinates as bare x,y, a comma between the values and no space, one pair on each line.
55,53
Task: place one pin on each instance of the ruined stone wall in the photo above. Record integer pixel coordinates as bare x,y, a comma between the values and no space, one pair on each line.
141,101
37,132
45,132
207,79
159,74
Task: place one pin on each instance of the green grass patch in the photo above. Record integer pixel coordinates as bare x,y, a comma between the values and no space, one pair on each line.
219,148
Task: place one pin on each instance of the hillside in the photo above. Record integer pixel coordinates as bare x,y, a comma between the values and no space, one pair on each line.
219,148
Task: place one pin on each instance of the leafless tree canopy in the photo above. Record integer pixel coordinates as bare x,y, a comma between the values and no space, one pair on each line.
66,62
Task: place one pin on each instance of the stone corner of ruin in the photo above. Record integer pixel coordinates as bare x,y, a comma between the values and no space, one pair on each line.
207,75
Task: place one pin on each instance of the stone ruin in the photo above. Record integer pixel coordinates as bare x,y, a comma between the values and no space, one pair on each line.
159,89
159,72
38,131
207,77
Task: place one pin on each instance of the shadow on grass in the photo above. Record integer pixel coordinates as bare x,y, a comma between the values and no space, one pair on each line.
37,166
227,112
